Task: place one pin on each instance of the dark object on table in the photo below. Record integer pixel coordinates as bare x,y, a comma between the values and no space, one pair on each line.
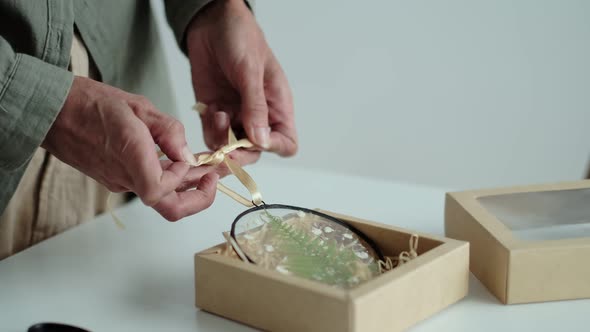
55,327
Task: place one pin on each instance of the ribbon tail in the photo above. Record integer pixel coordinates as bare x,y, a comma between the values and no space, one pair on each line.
231,137
245,179
118,221
234,195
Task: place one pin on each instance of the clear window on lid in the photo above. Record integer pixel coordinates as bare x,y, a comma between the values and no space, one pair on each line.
544,215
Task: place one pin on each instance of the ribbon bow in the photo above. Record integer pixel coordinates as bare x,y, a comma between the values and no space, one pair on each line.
220,156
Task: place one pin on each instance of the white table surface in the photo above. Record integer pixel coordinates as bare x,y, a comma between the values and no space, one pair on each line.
141,278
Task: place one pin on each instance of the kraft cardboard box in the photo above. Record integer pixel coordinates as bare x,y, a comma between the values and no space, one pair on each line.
393,301
528,243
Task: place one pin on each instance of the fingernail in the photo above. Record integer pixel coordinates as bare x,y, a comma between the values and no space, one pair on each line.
262,136
221,120
189,158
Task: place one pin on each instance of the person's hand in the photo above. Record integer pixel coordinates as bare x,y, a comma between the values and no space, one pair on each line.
236,74
111,136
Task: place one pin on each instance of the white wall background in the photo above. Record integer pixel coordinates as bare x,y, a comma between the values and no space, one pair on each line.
456,93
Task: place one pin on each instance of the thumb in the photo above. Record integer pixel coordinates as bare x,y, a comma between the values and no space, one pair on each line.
254,108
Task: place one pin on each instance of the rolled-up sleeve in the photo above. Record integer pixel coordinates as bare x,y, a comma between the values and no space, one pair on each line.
32,93
180,13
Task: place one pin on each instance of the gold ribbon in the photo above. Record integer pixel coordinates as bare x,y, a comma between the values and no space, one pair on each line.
221,156
231,249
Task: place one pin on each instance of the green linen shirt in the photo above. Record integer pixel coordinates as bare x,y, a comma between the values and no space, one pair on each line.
35,41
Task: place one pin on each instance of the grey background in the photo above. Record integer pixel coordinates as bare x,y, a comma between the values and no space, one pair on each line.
457,94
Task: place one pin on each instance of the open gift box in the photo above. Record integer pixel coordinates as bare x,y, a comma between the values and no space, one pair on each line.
528,244
392,301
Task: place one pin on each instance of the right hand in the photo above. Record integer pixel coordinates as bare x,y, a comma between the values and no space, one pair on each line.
235,72
111,136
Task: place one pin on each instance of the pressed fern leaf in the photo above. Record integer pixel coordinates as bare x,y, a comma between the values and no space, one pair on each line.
309,256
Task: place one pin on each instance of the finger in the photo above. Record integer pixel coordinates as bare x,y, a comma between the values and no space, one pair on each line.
245,157
283,137
281,143
171,178
165,163
178,205
254,107
167,132
151,181
193,177
188,185
215,122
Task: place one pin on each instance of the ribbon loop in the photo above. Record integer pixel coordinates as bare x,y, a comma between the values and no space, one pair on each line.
220,156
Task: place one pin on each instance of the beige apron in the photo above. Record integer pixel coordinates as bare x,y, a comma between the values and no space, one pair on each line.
52,196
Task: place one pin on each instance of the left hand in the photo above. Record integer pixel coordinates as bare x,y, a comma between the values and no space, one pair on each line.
236,74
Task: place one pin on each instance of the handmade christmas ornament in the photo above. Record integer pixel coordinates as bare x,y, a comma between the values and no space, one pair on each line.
306,243
293,240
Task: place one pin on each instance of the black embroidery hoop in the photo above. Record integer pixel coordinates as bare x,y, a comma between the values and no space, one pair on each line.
265,206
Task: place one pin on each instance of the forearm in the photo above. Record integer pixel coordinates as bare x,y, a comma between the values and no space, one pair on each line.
32,93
